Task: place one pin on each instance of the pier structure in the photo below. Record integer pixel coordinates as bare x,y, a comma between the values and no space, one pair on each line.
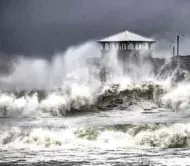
129,47
126,41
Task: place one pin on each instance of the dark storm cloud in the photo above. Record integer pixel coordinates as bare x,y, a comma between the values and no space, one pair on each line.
46,26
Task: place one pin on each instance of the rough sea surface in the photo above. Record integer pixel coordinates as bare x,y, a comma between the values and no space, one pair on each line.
63,114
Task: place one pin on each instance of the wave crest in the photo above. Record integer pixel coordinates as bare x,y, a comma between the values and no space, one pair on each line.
60,102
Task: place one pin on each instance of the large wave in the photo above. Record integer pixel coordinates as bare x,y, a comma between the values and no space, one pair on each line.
71,83
61,102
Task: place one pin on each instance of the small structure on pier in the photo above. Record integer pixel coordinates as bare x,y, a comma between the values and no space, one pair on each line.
129,47
126,42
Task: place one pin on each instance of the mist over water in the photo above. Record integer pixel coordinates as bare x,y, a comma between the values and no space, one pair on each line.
133,109
34,73
70,79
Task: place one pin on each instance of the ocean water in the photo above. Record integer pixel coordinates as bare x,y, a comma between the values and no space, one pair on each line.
60,113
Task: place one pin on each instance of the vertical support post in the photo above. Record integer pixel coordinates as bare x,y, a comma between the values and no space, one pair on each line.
173,50
104,46
177,45
178,60
149,46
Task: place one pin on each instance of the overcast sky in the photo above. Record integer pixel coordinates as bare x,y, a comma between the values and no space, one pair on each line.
45,26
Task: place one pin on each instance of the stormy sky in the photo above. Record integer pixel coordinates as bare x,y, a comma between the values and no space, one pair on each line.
42,27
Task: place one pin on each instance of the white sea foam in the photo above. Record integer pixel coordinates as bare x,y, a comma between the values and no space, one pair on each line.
68,81
137,136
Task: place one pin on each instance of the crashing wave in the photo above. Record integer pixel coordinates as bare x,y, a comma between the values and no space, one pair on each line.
60,102
114,96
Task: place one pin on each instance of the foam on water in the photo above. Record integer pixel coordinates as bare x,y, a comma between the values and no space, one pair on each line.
41,89
133,136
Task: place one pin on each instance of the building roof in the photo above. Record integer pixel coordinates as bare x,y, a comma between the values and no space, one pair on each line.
127,36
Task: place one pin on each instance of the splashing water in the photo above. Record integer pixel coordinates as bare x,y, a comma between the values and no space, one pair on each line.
62,107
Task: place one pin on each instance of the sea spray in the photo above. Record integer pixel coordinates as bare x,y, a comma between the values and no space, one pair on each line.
40,74
61,102
178,97
69,84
